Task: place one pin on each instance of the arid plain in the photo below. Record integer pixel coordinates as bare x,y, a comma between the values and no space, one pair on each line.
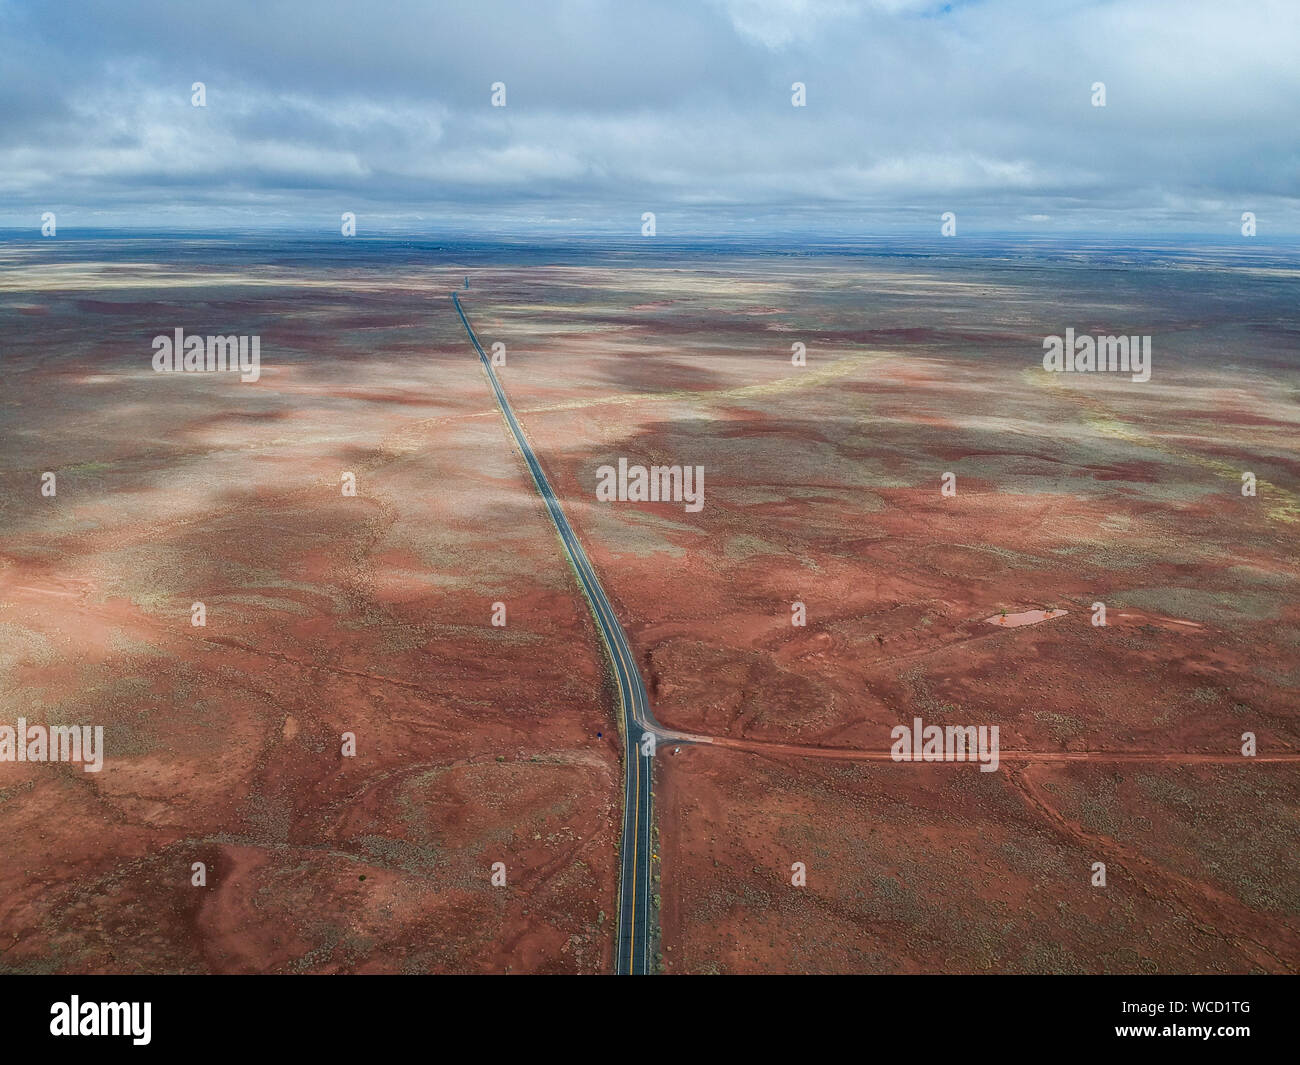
479,744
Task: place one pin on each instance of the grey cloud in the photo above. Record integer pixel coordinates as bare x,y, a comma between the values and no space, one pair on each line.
682,108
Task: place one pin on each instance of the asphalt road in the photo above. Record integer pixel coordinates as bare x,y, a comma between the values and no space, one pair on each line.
632,947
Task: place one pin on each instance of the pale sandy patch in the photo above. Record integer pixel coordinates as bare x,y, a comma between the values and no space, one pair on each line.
1025,617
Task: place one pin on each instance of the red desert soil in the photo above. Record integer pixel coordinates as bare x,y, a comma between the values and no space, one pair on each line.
1122,744
823,489
325,615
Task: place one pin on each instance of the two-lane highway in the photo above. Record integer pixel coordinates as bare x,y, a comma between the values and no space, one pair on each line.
632,947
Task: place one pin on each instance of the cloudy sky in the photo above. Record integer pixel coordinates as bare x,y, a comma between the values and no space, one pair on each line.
315,107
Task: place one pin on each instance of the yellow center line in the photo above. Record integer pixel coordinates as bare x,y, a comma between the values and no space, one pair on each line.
636,845
628,719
